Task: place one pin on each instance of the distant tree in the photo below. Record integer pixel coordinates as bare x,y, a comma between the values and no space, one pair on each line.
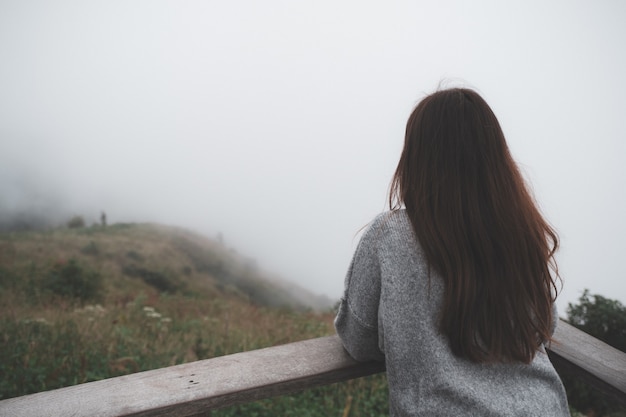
103,219
76,222
604,319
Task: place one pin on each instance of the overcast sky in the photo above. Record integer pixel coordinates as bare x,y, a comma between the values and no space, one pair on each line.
279,123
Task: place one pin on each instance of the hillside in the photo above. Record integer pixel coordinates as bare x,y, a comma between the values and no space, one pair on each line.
84,304
150,259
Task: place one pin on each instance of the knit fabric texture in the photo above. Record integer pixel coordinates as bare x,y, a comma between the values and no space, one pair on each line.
389,312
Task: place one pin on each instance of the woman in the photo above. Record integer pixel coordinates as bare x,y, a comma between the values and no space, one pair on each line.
456,291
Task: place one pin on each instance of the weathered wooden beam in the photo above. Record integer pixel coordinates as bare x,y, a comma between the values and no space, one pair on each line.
600,365
193,388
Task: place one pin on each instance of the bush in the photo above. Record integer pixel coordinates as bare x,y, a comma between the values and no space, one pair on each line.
8,279
600,317
70,279
159,280
90,249
134,255
76,222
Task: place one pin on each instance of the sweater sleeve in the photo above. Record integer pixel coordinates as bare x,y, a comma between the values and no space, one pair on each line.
357,319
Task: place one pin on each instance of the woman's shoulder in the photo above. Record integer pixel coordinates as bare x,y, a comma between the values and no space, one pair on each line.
389,220
394,223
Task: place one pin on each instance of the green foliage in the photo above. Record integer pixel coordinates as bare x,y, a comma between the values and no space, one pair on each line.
38,356
94,342
8,279
161,281
360,397
76,222
604,319
135,256
70,279
90,249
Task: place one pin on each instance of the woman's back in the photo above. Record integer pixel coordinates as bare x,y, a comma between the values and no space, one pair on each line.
455,292
391,311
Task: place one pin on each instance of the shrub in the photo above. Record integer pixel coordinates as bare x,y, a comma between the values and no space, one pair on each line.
90,249
76,222
156,279
600,317
70,279
8,279
134,255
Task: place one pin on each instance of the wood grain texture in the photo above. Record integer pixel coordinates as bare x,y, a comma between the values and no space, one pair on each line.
601,365
193,388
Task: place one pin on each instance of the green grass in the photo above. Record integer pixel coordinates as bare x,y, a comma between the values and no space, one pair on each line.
53,346
82,305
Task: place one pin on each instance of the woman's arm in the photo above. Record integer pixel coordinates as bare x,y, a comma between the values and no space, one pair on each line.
357,320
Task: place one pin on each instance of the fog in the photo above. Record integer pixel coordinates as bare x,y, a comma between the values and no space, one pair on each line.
279,124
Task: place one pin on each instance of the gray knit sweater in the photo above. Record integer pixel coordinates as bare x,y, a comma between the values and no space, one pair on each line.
389,313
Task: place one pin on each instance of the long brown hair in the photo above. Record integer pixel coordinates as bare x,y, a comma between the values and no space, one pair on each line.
479,227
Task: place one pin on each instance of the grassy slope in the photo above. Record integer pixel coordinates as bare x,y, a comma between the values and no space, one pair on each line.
135,258
216,303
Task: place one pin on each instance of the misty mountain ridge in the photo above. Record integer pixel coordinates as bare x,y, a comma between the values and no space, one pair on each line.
27,220
141,258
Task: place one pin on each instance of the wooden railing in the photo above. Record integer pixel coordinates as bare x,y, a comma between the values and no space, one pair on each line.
192,389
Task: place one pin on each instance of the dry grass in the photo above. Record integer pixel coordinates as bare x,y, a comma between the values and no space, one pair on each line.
220,305
129,256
